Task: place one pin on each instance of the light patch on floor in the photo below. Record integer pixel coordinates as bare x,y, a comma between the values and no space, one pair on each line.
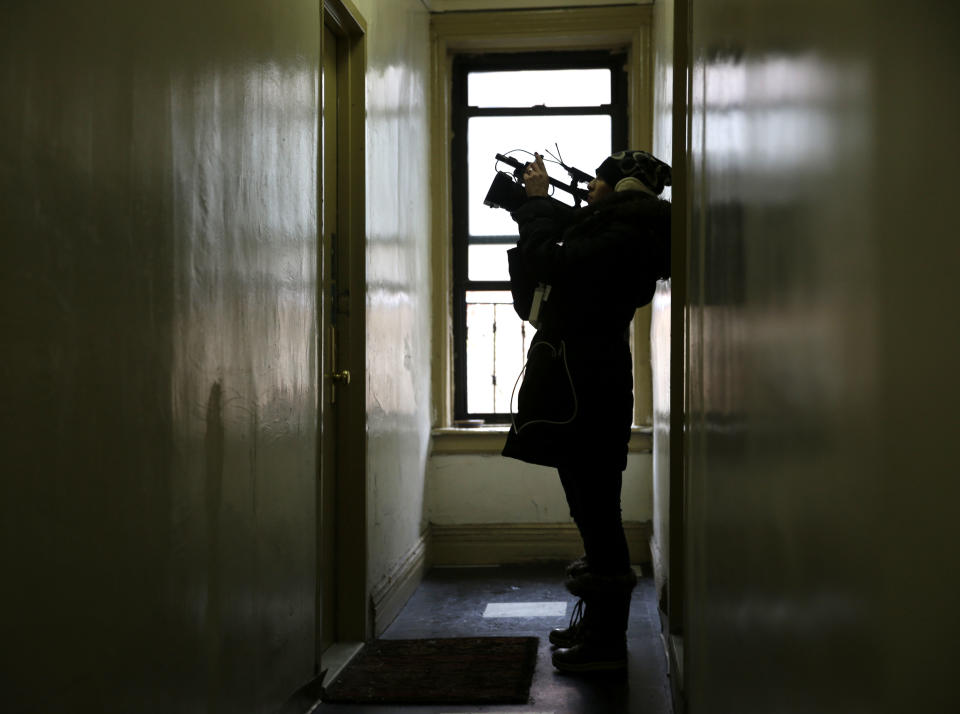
525,609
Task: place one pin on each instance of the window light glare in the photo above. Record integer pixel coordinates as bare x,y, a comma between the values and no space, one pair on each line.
528,88
584,142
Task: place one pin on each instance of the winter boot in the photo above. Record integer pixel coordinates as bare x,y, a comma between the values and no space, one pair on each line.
596,653
601,639
573,633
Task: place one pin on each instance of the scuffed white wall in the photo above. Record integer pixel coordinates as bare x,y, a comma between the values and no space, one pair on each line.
398,276
488,488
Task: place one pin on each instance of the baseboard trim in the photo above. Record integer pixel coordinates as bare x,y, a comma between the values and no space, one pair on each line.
677,686
511,543
389,596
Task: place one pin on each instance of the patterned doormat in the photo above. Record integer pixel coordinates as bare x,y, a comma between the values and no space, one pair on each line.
460,670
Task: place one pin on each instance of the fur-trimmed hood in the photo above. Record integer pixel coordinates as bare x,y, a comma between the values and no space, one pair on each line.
634,211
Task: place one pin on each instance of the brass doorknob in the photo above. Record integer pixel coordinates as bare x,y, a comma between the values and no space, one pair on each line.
341,377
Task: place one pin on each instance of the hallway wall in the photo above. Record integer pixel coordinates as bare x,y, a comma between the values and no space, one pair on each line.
398,278
158,192
158,202
822,358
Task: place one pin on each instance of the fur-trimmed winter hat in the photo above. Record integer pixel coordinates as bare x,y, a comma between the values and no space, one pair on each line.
638,166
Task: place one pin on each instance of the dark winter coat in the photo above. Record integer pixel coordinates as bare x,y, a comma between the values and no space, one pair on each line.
602,262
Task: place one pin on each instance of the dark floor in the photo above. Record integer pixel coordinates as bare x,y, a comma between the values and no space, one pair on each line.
451,602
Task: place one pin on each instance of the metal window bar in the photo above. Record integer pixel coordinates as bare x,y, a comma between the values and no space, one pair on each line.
498,342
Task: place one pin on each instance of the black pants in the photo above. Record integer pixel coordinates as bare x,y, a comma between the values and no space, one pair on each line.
593,494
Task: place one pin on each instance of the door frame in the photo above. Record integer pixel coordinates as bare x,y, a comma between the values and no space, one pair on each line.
350,553
679,557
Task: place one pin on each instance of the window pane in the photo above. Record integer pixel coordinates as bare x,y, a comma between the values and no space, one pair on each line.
497,343
584,143
528,88
480,319
488,262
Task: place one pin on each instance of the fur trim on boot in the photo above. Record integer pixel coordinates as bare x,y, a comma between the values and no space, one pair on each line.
578,567
588,584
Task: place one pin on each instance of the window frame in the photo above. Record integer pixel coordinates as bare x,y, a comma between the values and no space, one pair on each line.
615,60
610,27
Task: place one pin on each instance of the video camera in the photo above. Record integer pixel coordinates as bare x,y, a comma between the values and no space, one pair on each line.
507,192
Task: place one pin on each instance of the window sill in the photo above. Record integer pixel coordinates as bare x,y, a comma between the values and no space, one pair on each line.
489,440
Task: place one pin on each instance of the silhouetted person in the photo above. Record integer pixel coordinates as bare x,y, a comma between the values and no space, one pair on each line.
579,274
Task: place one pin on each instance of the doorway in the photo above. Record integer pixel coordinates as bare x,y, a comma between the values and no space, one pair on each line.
342,614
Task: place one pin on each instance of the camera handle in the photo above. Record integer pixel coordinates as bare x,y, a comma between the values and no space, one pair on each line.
576,176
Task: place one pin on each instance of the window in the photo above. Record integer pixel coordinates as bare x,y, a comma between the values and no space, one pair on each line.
571,104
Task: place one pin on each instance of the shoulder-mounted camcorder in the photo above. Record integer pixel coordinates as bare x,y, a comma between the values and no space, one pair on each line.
506,191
